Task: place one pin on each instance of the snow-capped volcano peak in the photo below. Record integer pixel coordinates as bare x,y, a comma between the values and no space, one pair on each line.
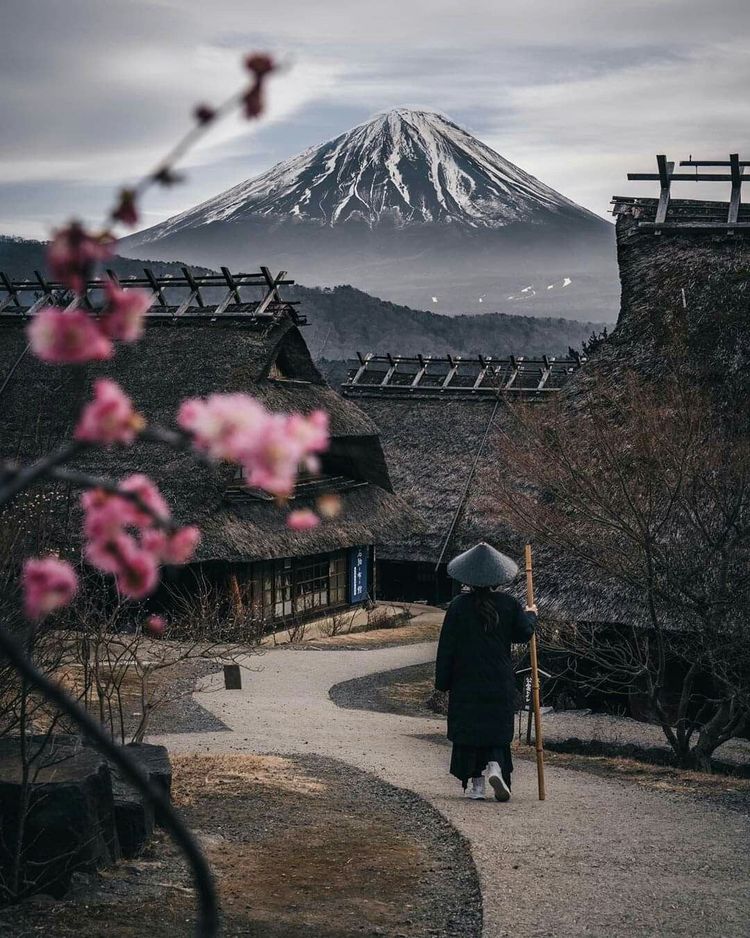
401,166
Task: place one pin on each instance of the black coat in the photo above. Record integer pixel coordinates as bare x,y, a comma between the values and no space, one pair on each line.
474,665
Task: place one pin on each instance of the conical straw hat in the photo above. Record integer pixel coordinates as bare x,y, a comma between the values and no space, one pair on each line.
482,566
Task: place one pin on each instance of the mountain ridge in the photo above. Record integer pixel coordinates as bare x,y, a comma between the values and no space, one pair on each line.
410,207
401,166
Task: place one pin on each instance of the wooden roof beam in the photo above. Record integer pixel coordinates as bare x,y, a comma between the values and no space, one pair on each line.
681,177
155,285
420,372
482,373
546,372
363,362
736,195
272,293
232,284
193,286
728,162
451,371
12,291
391,371
515,371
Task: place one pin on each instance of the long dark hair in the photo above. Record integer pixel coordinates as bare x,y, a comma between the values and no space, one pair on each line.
485,606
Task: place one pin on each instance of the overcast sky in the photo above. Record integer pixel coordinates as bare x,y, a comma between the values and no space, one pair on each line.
577,92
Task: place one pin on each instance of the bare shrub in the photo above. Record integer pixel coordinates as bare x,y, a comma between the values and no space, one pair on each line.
338,623
296,631
641,494
386,617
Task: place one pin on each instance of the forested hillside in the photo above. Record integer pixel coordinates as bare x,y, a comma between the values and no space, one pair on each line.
343,320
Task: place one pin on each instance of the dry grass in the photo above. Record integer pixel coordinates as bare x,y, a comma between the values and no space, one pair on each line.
195,777
653,777
409,634
411,693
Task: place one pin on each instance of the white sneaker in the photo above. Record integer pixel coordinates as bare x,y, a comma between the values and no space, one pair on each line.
476,789
497,782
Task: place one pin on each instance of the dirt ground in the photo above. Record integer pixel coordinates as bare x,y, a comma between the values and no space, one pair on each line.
298,846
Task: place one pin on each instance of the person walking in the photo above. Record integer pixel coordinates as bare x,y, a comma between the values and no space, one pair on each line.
474,666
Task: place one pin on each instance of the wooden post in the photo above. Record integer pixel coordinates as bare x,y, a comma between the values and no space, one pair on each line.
232,677
538,740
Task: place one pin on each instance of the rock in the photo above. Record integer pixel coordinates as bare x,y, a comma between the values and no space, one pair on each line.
134,817
69,816
155,759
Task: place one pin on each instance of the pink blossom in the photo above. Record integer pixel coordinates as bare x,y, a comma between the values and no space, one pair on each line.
329,506
254,101
180,545
141,486
104,521
73,254
269,447
48,584
110,417
124,316
287,442
156,625
302,519
106,553
106,514
273,460
311,432
135,569
67,337
223,426
138,572
129,539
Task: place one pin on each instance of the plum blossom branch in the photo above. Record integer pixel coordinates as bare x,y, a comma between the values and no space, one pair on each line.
250,98
17,478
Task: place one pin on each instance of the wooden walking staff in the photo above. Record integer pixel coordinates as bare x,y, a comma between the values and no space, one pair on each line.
535,682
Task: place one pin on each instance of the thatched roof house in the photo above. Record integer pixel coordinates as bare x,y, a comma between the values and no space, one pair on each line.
203,350
439,421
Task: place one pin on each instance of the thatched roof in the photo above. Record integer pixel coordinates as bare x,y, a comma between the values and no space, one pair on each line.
685,296
194,356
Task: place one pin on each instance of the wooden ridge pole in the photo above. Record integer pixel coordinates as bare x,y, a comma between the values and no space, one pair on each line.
539,742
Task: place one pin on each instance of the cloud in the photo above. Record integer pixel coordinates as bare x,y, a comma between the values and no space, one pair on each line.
616,122
577,93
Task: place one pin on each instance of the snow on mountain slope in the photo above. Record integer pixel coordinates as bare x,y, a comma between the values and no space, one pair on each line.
401,166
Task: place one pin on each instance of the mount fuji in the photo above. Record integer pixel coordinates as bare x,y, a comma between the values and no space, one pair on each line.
410,207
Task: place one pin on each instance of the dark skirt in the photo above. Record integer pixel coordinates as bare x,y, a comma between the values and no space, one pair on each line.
470,761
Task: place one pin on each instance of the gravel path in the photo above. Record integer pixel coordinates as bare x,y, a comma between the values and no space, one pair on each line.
598,858
375,692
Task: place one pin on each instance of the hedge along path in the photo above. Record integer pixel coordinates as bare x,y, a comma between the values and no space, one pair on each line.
600,857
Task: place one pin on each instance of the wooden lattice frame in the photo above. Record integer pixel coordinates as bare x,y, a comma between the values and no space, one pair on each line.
25,297
665,176
450,375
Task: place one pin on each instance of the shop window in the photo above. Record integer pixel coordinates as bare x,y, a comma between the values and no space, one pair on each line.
337,575
282,589
311,584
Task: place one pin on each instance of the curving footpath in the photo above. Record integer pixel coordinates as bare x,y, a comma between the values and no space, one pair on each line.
598,858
